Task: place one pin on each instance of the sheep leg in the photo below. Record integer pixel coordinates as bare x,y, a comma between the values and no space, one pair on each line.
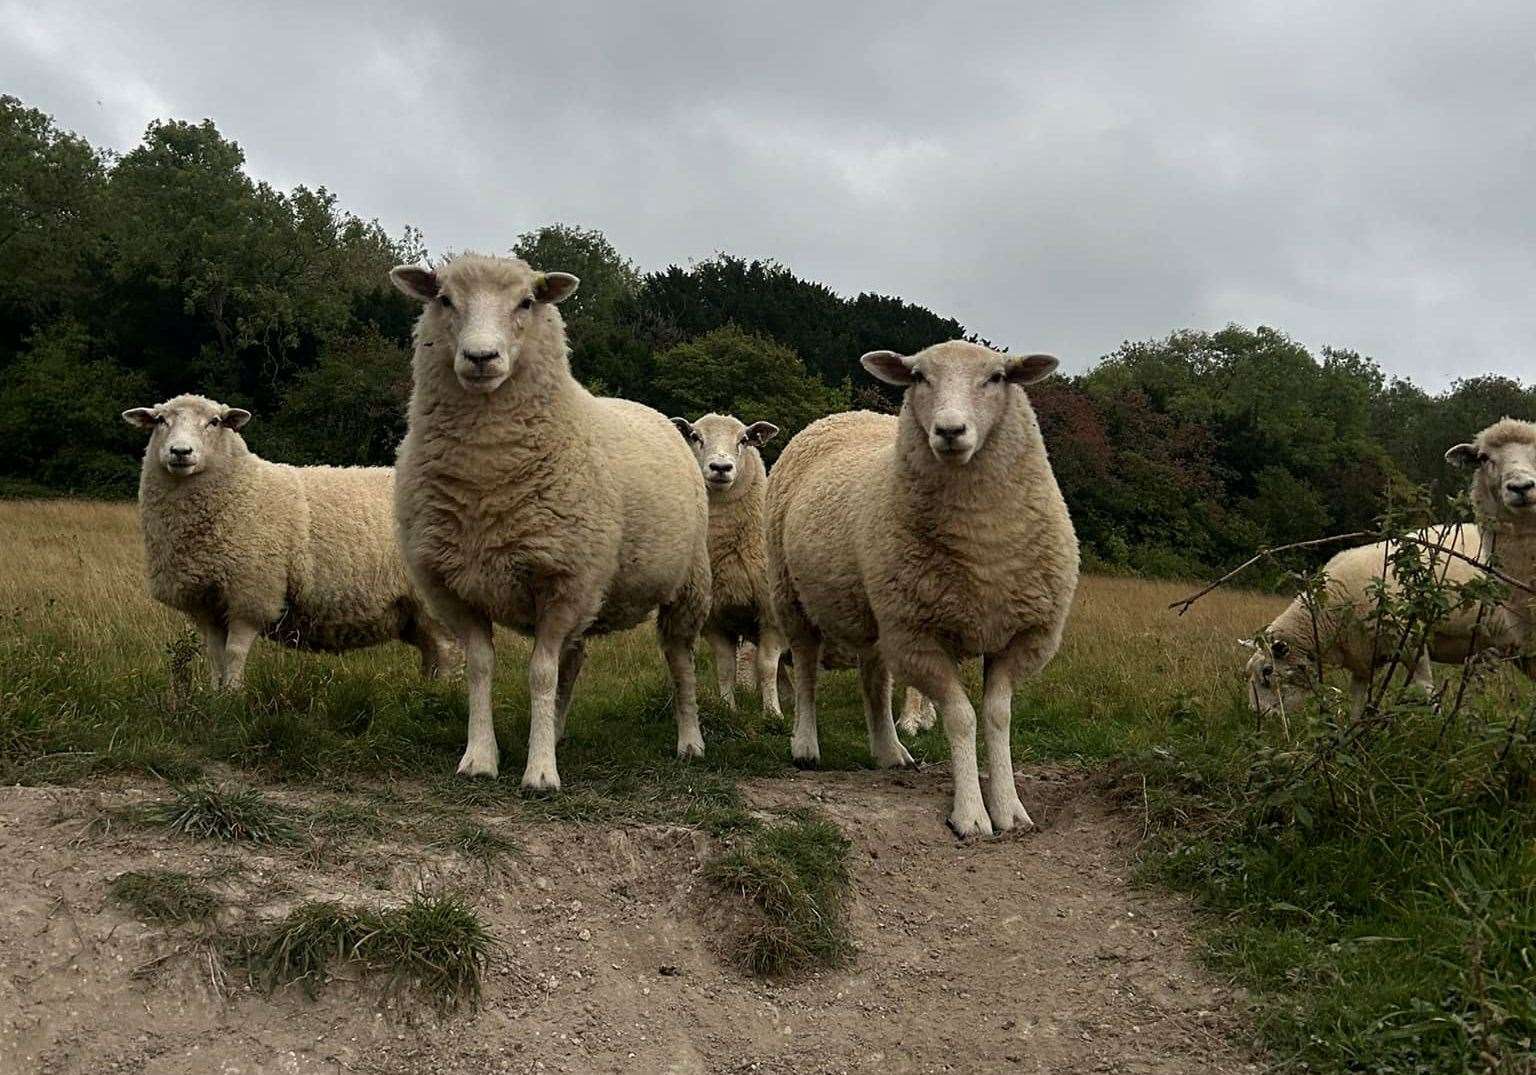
917,713
551,640
1002,794
746,666
1423,675
875,686
932,671
724,650
685,704
804,745
237,646
213,646
786,685
769,648
438,657
1359,694
571,660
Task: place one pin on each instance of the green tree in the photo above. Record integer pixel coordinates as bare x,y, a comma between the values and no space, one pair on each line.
60,407
731,371
349,409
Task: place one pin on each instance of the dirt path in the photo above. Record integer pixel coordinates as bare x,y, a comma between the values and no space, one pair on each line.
1024,954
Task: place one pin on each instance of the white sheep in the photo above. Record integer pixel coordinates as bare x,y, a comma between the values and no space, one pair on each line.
1283,669
305,556
1340,628
741,610
524,500
919,541
1503,458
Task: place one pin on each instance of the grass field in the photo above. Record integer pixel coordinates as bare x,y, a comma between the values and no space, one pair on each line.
1379,902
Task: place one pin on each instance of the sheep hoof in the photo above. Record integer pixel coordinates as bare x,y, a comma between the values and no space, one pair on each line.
541,778
693,748
806,763
478,764
976,824
1007,817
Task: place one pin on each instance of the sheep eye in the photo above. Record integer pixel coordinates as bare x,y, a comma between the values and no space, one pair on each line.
917,377
446,302
526,304
996,378
1483,459
213,423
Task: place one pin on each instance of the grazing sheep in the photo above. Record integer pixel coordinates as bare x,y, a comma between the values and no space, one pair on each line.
1503,458
305,556
919,541
524,500
1282,670
740,608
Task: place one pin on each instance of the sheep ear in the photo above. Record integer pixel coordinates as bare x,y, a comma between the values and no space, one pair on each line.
1027,369
234,418
760,433
415,281
888,366
143,417
685,427
1463,455
555,286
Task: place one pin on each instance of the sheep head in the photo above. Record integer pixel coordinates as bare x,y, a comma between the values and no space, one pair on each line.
1503,460
190,434
1279,676
479,310
719,442
958,391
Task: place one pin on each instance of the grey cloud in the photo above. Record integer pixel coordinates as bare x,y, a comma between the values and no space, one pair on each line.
1057,176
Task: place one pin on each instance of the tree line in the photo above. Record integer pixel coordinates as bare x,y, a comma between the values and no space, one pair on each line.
167,269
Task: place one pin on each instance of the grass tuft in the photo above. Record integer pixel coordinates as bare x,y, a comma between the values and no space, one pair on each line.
164,896
791,881
435,944
478,843
219,813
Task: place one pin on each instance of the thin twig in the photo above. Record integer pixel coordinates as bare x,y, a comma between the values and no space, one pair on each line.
1186,603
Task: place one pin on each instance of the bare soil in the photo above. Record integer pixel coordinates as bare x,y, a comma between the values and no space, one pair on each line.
1031,953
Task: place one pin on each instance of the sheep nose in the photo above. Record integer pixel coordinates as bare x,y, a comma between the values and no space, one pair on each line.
722,468
950,432
479,358
181,453
1521,486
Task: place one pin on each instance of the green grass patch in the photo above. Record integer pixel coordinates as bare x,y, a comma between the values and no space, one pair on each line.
479,844
435,945
166,897
221,813
788,884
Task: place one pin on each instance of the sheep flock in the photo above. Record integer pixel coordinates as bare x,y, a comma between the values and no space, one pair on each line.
903,545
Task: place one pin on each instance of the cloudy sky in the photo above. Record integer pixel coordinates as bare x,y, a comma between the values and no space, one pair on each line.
1058,176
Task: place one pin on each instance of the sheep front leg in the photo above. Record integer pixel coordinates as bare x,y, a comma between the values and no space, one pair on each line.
933,672
1002,795
541,773
746,666
213,634
237,646
875,686
725,666
770,647
480,755
685,703
805,745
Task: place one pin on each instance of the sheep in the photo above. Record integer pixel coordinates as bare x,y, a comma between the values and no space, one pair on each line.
1283,666
305,556
727,454
1503,460
1339,629
523,500
919,540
